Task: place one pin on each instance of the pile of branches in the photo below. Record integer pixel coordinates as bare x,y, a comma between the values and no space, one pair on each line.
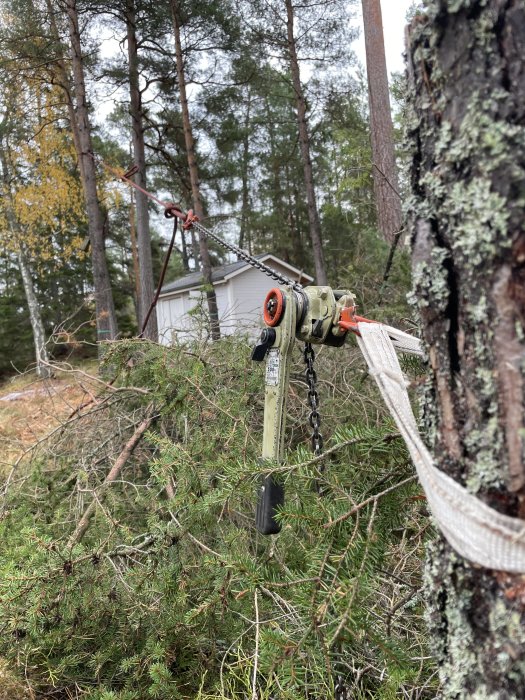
131,567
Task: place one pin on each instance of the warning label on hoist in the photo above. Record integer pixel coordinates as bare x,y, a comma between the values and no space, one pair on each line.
273,364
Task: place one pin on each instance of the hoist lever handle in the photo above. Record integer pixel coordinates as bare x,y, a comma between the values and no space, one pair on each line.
271,497
266,341
276,344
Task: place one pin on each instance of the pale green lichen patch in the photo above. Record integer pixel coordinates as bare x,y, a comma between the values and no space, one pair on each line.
431,276
480,136
482,338
484,444
480,221
454,6
481,693
477,311
508,639
461,644
486,386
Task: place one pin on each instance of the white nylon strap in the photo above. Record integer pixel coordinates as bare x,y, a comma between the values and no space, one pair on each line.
476,531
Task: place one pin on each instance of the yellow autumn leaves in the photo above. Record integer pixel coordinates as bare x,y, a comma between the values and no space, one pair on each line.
45,193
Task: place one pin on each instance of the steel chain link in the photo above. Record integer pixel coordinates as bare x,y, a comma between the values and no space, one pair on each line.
313,399
243,255
317,448
340,689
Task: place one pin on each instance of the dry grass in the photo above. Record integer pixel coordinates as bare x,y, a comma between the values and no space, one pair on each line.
11,688
31,408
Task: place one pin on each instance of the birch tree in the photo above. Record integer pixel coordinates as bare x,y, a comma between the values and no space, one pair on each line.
467,97
41,198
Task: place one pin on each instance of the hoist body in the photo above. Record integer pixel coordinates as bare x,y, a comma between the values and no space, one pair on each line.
315,315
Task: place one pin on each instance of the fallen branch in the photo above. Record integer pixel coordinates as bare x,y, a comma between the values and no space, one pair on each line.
112,475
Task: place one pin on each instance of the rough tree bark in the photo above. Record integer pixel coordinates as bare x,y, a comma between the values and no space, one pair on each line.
105,308
384,170
146,286
194,174
304,142
467,93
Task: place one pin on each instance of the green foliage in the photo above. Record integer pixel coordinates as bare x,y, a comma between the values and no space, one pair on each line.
171,589
15,329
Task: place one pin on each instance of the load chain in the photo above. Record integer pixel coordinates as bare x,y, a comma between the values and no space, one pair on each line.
243,255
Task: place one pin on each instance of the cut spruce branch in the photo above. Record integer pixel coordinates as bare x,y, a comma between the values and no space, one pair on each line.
331,450
372,499
112,475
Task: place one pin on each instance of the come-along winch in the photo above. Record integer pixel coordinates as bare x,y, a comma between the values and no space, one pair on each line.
316,316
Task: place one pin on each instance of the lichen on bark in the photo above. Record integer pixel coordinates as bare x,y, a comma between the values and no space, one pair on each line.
466,123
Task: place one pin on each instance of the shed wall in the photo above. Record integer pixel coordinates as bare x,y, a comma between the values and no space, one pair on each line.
239,301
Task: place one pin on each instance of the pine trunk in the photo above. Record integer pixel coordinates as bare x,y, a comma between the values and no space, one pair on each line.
146,286
386,186
467,94
105,309
194,175
244,234
304,142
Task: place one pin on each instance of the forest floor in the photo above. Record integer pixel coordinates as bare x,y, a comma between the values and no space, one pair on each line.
31,408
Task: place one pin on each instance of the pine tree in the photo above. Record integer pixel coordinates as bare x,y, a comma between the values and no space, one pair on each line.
298,32
467,109
386,185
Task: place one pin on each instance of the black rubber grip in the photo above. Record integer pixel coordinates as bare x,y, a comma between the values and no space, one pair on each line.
271,497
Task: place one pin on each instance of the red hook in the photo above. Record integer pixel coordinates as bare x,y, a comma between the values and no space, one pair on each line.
348,320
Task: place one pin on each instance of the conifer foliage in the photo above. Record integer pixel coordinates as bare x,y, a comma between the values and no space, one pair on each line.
169,592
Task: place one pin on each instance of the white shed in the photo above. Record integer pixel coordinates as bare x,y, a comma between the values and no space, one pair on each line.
240,289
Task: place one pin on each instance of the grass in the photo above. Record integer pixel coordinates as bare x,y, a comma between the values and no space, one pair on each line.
30,408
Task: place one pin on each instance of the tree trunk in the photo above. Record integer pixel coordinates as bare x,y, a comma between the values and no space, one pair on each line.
244,235
299,257
386,185
39,336
276,190
146,286
35,318
194,175
105,309
304,141
134,256
467,93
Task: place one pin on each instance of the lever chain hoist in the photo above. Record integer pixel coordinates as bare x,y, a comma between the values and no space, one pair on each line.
315,315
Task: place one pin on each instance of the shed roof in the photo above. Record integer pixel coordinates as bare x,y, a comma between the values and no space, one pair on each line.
222,272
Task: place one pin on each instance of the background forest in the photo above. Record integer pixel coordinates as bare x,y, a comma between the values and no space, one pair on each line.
256,114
